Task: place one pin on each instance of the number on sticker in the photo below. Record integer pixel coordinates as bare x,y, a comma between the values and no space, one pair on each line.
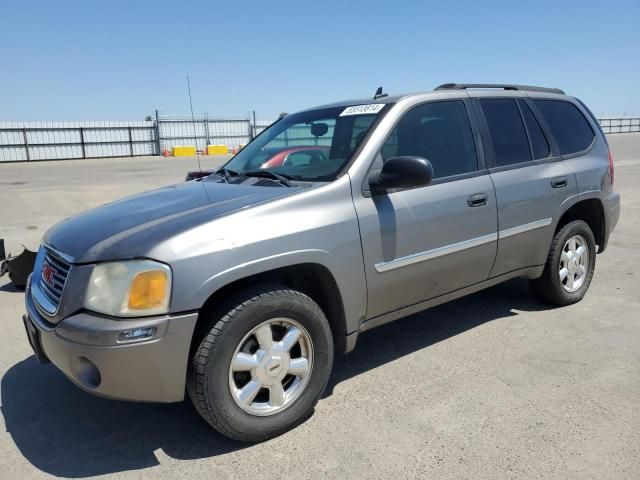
362,109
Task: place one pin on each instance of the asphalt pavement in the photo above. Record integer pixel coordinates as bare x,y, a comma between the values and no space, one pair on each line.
494,385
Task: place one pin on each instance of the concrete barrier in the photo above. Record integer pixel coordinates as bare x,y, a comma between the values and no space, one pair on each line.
217,149
183,151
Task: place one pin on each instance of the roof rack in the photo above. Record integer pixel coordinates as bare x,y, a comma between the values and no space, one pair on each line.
504,86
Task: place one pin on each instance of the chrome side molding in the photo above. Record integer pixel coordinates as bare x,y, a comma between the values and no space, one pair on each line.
509,232
435,253
459,246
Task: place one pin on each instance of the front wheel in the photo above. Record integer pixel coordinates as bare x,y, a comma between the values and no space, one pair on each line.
262,363
569,267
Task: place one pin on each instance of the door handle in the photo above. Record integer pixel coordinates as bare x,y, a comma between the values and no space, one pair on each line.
477,200
559,182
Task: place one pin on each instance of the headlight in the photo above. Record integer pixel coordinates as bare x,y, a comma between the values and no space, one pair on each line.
129,289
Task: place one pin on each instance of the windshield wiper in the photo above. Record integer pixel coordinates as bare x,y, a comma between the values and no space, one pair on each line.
226,173
283,179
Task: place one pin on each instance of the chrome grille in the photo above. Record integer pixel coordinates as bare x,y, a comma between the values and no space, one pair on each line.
57,275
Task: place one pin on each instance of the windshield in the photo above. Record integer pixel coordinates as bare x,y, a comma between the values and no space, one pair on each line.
308,146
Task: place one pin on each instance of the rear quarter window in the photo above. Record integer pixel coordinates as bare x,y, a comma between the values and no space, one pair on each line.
539,143
568,125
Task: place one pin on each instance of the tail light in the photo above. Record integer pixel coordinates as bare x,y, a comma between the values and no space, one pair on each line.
611,167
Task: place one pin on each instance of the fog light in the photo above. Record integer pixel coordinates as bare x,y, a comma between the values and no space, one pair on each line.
136,334
86,372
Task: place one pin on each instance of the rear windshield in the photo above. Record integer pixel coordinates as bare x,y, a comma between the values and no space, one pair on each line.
568,125
309,146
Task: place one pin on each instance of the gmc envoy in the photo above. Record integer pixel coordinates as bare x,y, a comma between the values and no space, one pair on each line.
238,287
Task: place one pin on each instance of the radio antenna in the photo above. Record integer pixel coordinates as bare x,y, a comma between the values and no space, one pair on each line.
193,121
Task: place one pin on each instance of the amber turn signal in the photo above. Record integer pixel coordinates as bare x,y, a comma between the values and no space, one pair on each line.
148,290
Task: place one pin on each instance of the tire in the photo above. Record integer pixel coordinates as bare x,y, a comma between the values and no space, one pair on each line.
550,287
215,389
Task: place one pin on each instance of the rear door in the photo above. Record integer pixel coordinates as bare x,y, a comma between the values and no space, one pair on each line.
531,180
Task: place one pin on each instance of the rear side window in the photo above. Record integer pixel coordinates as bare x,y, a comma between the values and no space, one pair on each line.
439,132
539,143
570,129
508,136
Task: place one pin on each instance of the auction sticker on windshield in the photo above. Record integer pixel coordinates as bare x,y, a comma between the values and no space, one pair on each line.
362,109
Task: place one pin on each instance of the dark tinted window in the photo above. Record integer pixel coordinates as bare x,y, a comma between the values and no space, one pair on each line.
361,126
439,132
508,136
570,129
539,142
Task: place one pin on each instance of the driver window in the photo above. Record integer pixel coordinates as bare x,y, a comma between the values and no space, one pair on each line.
439,132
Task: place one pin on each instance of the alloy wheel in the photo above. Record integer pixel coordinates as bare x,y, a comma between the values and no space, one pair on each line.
271,367
574,263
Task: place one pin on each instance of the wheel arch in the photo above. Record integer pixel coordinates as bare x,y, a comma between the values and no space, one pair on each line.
313,279
591,211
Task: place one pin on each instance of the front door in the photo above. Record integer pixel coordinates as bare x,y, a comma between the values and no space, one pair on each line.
424,242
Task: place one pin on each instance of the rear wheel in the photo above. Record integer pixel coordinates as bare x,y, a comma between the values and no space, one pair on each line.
569,267
262,363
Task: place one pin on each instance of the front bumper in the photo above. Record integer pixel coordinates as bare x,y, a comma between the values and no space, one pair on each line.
87,349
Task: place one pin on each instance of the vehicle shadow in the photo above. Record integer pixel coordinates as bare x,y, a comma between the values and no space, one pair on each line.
10,287
66,432
394,340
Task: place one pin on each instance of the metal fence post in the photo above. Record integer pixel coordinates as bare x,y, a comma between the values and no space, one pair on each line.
158,134
206,130
253,130
130,142
84,153
26,143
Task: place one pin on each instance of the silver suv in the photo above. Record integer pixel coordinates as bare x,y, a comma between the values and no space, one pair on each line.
238,287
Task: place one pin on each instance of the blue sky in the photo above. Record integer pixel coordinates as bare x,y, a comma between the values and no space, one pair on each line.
120,60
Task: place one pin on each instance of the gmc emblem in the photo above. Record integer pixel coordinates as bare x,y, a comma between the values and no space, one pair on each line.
48,272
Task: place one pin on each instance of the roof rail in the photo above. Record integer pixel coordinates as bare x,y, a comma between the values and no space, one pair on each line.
504,86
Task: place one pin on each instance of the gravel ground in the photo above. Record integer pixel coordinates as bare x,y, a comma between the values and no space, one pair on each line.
494,385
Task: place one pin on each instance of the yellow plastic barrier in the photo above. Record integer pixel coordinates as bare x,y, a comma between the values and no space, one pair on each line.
217,150
183,151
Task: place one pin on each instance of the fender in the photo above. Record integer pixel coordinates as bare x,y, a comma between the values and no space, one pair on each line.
575,199
353,295
600,226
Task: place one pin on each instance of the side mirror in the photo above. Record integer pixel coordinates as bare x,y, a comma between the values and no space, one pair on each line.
402,172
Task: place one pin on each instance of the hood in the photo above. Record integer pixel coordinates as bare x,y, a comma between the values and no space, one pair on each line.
131,227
